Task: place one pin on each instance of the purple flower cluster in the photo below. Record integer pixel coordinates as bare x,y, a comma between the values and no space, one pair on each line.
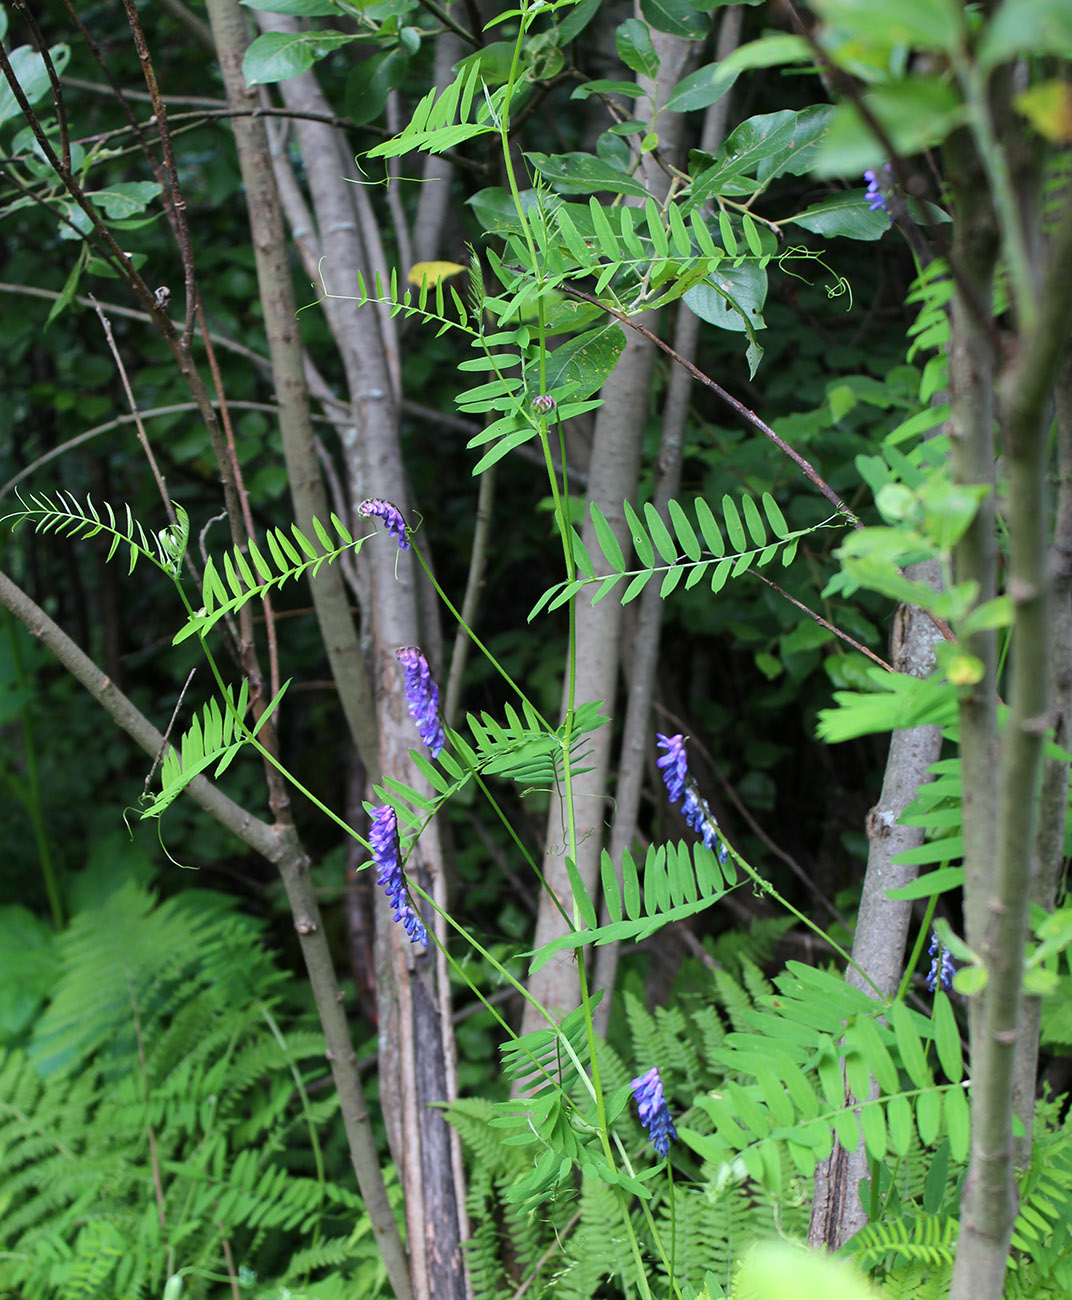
422,695
391,516
694,809
653,1110
942,969
383,840
876,199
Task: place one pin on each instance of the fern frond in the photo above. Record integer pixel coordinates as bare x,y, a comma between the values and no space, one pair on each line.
926,1238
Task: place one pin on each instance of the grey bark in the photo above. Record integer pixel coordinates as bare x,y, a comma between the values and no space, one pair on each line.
612,477
988,1207
284,344
632,764
882,924
417,1050
1053,799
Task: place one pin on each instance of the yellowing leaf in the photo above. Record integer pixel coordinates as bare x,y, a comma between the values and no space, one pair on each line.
1048,107
432,272
964,670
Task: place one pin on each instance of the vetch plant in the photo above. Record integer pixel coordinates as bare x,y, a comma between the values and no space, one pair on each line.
680,786
383,840
942,969
422,697
653,1111
375,508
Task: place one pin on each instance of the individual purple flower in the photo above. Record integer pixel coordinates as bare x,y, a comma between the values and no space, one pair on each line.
876,199
422,695
383,840
942,969
674,764
391,516
653,1110
694,809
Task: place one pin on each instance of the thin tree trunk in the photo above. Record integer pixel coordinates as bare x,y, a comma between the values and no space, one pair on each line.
1053,802
989,1206
882,924
612,478
632,764
416,1033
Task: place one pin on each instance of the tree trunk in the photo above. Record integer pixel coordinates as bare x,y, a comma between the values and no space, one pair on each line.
416,1034
612,478
882,924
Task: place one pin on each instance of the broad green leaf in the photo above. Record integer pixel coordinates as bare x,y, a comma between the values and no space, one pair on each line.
583,173
916,113
303,8
732,297
701,89
753,520
763,147
873,1123
641,543
686,535
865,1033
925,24
1026,27
945,849
633,42
935,1188
576,20
847,215
125,198
32,75
493,62
604,87
371,81
775,517
278,56
676,18
660,535
612,894
585,362
929,1114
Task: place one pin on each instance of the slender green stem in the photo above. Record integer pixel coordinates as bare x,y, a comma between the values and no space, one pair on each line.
995,163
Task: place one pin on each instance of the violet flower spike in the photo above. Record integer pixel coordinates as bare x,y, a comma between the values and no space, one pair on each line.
694,809
942,969
876,199
422,696
393,522
653,1110
674,764
383,840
